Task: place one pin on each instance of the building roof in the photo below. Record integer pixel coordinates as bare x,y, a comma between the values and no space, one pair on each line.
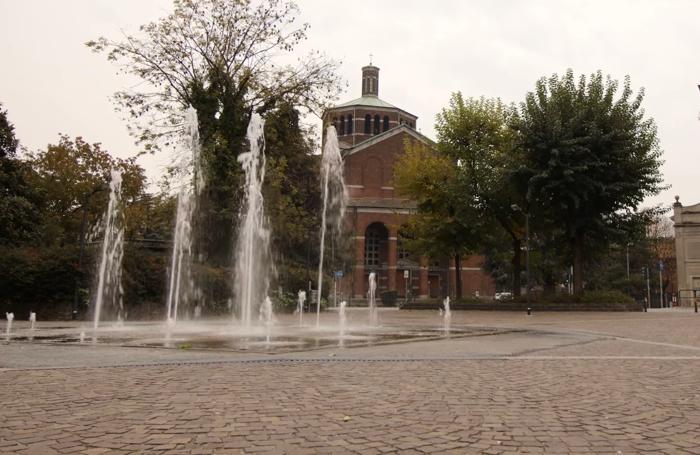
385,135
373,101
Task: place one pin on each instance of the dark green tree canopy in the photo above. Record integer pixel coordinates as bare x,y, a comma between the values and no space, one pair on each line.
590,156
8,141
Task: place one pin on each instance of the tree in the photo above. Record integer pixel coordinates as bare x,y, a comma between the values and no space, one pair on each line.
443,225
73,178
292,194
475,135
590,158
19,212
223,58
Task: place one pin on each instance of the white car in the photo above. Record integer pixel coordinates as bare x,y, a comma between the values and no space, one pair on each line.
502,295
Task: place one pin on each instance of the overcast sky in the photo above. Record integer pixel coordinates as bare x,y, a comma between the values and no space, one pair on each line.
50,82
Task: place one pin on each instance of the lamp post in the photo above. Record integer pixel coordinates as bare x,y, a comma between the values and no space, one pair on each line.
517,208
628,260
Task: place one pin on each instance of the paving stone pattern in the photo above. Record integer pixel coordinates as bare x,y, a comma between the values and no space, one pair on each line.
615,401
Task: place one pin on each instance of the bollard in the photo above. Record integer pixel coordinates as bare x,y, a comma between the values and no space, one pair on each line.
695,299
529,311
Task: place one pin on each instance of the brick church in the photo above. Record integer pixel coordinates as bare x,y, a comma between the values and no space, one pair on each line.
371,135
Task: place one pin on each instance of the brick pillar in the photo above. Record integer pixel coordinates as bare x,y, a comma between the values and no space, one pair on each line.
359,284
423,291
392,259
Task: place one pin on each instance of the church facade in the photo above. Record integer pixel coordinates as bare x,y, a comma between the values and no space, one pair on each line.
372,134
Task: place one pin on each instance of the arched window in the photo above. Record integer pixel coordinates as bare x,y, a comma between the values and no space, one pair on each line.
376,124
386,123
368,124
341,130
351,125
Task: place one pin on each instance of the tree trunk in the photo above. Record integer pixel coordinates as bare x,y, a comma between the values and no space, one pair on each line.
458,277
578,263
517,266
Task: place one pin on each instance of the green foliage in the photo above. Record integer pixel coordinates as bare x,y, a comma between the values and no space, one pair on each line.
442,224
19,211
476,134
218,56
590,158
39,279
8,141
74,175
285,303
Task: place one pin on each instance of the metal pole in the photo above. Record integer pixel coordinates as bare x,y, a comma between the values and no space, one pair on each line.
628,262
661,286
527,256
695,299
648,288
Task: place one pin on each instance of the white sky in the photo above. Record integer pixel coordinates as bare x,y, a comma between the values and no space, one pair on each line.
50,82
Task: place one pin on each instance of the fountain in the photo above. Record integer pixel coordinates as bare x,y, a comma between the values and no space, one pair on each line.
334,201
342,318
252,270
301,298
32,320
447,316
109,286
267,318
181,285
371,299
10,317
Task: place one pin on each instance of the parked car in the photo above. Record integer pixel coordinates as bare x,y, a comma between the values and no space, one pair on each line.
503,295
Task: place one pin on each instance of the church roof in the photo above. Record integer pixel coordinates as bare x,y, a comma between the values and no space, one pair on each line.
372,101
385,135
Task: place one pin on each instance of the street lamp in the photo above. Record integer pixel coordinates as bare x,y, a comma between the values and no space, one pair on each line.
517,208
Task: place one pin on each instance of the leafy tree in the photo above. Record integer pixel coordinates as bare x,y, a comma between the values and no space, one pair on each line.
73,178
231,44
8,141
590,159
475,134
292,194
223,58
19,213
443,224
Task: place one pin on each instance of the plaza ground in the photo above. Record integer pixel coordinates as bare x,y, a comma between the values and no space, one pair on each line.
617,383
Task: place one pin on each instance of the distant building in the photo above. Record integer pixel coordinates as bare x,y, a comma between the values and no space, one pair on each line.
372,133
687,227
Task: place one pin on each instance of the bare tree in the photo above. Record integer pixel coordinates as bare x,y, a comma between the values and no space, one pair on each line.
233,44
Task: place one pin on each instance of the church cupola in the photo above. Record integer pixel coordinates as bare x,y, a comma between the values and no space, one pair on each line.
370,80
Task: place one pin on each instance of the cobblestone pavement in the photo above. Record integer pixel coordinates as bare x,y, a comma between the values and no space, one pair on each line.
633,386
